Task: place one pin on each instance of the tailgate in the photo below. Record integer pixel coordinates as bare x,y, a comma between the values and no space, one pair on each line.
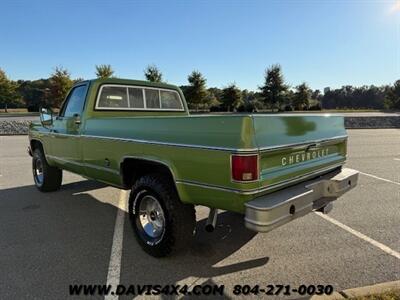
297,147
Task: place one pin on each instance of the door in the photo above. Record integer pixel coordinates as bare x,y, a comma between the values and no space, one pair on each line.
66,143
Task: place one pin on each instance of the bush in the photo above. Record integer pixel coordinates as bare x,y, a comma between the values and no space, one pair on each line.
33,108
288,108
241,108
315,107
216,109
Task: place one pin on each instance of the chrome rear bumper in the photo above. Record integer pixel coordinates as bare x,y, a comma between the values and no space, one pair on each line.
273,210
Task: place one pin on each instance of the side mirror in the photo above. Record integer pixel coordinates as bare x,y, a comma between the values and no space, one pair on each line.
46,116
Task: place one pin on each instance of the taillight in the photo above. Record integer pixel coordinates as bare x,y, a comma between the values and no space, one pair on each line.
244,167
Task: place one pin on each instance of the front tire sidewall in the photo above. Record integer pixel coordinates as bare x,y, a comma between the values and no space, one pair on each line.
35,160
51,176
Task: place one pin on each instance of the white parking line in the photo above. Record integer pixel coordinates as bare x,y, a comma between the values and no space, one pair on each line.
397,159
114,268
380,178
361,236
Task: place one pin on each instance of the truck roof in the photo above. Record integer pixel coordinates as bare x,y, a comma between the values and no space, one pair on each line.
132,82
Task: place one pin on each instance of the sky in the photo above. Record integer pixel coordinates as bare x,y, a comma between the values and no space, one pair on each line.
322,43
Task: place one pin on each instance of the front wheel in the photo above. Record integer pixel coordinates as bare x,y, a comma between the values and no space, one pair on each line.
46,177
161,222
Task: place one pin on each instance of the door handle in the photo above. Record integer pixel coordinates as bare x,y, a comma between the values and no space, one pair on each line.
77,119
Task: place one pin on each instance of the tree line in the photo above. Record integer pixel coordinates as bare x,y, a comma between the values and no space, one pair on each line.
273,94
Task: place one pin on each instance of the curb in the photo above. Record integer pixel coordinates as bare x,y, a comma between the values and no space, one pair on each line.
362,122
367,290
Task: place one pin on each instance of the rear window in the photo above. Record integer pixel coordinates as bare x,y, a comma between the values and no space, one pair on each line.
118,97
170,100
136,99
152,98
113,97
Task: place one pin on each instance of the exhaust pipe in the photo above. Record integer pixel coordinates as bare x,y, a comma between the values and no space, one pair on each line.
211,220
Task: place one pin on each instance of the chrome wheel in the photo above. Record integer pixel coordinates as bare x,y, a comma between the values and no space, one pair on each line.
151,216
38,171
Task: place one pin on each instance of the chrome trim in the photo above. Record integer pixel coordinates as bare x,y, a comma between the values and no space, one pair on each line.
263,189
209,186
313,142
163,143
151,217
234,150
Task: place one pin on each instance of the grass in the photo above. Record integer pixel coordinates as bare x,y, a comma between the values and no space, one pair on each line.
346,110
391,295
14,111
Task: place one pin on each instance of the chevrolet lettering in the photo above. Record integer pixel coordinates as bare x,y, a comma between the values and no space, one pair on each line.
295,158
139,136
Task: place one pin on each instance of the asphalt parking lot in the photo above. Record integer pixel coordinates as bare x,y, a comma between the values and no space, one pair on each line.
49,241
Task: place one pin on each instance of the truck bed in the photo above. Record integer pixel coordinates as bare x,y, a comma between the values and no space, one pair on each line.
290,147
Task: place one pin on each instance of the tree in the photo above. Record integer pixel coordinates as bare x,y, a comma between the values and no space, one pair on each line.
34,93
287,101
8,95
79,79
364,97
274,88
104,71
301,97
196,92
316,95
60,84
392,99
213,98
153,74
231,97
215,93
250,102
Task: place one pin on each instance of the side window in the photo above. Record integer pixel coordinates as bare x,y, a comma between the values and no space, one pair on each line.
75,101
152,99
170,100
113,97
136,98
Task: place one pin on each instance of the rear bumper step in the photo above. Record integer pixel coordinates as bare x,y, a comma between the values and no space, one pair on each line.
273,210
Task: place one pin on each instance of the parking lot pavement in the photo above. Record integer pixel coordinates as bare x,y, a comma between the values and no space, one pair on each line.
375,152
49,241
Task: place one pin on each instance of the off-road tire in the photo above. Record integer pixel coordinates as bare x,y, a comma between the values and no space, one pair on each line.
51,178
180,218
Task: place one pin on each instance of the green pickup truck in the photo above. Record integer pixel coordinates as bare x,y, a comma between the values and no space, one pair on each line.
140,136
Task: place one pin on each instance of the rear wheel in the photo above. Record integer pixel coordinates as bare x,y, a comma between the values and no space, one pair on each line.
161,222
46,177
